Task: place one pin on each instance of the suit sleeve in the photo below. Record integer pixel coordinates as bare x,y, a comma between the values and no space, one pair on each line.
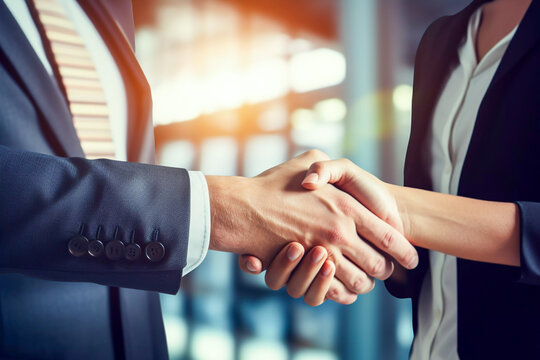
45,201
529,242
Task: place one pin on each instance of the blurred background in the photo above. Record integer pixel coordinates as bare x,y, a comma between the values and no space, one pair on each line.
242,85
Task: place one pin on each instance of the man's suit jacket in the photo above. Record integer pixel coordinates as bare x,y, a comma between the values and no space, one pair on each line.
498,306
51,306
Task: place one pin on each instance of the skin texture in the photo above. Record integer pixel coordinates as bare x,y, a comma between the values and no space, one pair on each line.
259,216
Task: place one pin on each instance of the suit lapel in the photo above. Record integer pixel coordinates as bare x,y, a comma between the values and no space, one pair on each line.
140,131
39,86
525,38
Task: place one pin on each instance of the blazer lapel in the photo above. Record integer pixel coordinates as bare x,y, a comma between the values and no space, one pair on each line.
525,38
35,79
140,141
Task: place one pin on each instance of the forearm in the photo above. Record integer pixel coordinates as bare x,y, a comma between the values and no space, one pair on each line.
467,228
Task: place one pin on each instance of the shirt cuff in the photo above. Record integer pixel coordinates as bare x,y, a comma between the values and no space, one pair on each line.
199,224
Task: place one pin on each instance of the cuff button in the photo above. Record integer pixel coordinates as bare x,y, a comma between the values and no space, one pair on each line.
78,245
154,251
114,250
96,248
133,252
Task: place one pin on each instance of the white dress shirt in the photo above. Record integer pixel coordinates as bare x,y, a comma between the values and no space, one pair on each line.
113,87
452,127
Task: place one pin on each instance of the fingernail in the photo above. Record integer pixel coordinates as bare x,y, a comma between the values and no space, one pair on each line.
293,253
250,267
317,255
311,179
413,263
327,269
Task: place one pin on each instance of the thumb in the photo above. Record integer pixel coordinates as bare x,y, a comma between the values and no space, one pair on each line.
250,264
324,172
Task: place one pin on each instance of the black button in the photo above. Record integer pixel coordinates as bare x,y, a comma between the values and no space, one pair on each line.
96,248
132,252
155,251
78,245
114,250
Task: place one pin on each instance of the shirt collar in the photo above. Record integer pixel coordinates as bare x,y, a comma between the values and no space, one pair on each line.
467,50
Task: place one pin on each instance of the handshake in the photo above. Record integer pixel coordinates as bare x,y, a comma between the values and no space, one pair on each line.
347,219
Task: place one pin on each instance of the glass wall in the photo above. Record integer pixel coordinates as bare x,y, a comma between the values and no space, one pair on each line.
240,86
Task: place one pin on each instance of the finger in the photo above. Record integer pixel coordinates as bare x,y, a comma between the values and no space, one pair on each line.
303,276
363,258
324,172
316,293
250,264
353,278
337,172
283,265
384,237
339,293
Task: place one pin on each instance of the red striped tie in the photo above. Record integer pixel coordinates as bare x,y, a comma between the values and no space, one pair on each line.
80,79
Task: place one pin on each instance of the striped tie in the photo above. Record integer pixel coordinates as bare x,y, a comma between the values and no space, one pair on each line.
80,80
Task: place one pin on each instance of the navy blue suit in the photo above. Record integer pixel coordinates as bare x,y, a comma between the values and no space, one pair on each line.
498,306
54,305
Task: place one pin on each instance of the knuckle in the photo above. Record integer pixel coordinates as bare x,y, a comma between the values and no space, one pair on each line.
387,240
333,294
317,154
334,236
378,267
362,285
336,233
346,205
358,286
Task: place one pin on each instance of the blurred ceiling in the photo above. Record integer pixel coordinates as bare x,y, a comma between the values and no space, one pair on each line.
315,16
321,17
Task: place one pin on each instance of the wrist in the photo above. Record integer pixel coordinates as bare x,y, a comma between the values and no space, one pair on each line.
403,207
227,193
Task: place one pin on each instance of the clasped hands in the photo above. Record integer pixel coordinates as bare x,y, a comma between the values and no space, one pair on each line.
345,218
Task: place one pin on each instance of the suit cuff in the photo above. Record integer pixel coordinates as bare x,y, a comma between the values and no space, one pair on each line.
529,242
199,224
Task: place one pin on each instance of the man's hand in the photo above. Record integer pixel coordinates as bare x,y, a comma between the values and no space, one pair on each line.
366,189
